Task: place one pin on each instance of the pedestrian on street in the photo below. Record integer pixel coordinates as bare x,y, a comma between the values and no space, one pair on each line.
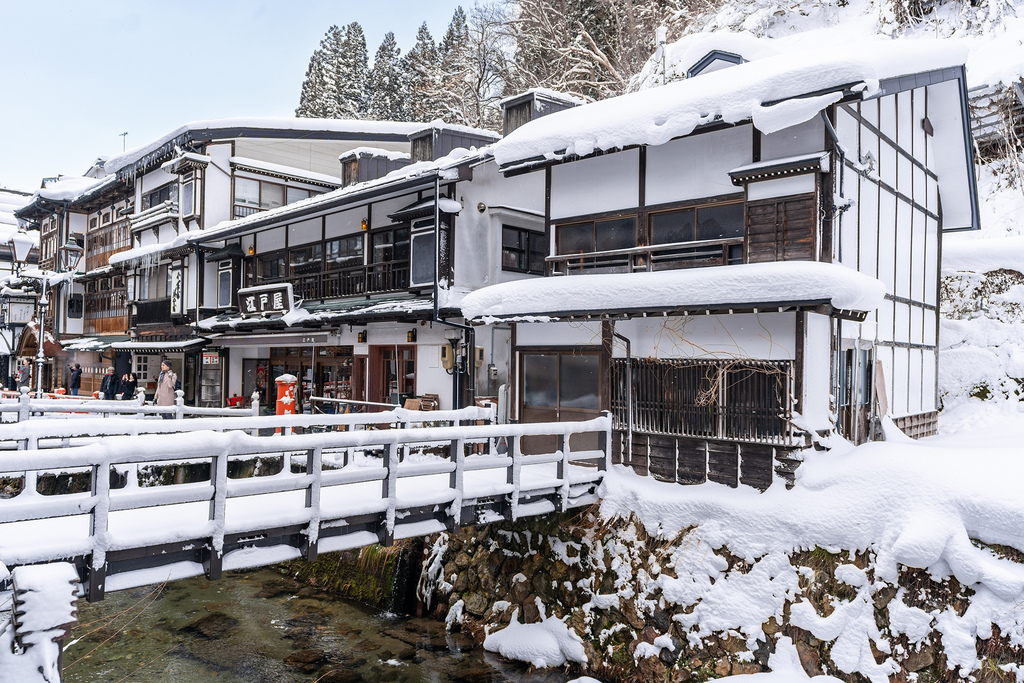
109,386
25,374
128,386
75,383
165,386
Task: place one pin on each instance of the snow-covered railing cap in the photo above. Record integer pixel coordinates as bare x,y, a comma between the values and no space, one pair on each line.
827,288
816,162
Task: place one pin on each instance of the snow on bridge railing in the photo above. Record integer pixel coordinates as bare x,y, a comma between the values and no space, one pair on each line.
144,534
25,407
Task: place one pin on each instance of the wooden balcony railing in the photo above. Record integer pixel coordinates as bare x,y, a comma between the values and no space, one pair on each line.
654,257
150,312
373,279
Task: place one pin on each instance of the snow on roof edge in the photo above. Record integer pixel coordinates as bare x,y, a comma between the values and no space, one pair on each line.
752,283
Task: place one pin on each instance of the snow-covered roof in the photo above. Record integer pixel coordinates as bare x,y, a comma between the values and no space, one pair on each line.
72,189
388,154
439,124
748,285
277,124
150,251
286,171
314,313
774,92
444,166
543,92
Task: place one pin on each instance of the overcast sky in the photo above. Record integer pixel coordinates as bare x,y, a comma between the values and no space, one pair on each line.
76,74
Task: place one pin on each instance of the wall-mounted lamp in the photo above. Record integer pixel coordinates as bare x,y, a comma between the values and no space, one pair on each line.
361,337
410,336
364,224
251,250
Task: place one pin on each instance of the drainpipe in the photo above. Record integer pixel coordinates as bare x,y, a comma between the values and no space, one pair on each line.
469,331
629,392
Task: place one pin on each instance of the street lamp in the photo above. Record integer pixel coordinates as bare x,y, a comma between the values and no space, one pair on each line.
69,256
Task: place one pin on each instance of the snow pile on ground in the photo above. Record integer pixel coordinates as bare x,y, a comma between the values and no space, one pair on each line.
982,302
548,643
928,504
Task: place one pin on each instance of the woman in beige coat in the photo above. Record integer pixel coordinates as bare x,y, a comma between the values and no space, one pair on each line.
165,385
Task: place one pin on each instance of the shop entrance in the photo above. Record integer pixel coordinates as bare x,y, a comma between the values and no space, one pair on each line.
392,373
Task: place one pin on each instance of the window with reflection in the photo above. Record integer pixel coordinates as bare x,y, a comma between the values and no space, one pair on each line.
594,236
522,250
344,252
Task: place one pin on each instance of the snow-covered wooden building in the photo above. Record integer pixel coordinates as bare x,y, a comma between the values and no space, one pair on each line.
356,291
136,299
744,260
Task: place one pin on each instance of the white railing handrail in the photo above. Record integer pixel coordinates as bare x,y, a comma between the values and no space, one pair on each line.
218,448
32,434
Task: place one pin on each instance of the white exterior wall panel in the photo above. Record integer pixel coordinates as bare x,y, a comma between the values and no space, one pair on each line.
605,183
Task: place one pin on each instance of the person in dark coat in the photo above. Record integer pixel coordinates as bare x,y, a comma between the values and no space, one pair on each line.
25,374
75,382
128,386
109,386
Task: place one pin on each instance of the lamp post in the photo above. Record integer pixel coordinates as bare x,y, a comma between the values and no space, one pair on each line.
68,257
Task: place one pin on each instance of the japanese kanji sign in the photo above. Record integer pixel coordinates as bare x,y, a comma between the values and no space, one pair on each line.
265,299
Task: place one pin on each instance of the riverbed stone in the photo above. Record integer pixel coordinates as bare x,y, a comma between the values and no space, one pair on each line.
919,660
476,604
340,676
212,626
463,560
520,590
306,661
275,588
531,614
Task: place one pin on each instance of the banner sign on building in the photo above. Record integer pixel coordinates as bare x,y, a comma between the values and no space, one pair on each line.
265,299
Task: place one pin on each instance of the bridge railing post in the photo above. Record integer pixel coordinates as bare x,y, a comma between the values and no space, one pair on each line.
389,489
562,471
457,481
140,396
96,573
24,413
604,442
514,475
314,468
179,404
214,561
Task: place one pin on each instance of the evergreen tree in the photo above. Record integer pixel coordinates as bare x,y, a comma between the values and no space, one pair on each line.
421,75
312,88
386,101
352,72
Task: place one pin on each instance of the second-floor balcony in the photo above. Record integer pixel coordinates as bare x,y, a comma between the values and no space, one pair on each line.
376,278
149,312
690,254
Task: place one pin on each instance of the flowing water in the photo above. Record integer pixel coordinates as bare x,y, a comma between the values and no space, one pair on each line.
263,626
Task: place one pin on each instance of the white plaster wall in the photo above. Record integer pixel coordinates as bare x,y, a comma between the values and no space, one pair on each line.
154,179
478,233
217,199
558,334
604,183
802,138
814,404
697,166
765,336
313,155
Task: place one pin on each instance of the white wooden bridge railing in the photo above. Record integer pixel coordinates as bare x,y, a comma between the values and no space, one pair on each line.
25,407
378,485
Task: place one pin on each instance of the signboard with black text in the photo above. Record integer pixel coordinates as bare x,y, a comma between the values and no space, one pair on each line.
265,299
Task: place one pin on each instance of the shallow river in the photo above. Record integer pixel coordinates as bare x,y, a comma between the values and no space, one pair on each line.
262,626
